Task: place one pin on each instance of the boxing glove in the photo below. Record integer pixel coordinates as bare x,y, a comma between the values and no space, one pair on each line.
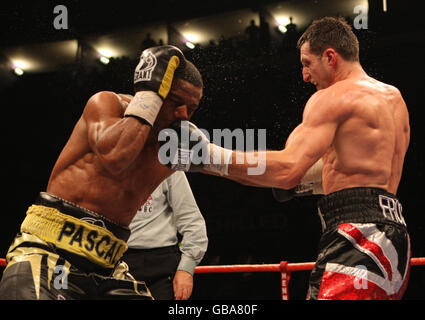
153,78
301,190
189,149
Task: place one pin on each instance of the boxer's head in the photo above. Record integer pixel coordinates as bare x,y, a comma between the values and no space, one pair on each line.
324,44
183,98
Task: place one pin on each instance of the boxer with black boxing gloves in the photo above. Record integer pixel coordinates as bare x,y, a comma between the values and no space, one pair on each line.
185,147
73,236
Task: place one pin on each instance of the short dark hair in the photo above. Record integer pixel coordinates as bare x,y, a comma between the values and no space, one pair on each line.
330,32
191,74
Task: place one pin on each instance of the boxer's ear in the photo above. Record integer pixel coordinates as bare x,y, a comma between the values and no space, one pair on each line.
330,56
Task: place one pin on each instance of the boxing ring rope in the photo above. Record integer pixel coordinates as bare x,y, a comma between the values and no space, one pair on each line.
284,267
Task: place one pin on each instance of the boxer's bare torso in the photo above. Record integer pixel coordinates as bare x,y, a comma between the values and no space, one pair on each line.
110,163
371,137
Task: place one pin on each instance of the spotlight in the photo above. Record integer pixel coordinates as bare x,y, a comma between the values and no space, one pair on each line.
282,28
18,71
190,45
190,38
105,55
20,65
104,60
282,22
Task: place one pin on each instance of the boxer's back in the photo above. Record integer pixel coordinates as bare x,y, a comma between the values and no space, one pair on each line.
370,145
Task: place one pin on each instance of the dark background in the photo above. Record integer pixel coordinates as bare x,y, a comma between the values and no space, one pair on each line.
245,87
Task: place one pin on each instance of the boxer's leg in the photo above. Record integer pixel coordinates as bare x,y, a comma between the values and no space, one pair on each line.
359,261
121,285
35,272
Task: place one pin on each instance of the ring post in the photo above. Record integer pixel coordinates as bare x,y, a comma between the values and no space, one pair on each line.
285,276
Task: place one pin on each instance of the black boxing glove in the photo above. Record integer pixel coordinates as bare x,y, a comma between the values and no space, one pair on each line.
156,68
311,184
189,149
301,190
153,78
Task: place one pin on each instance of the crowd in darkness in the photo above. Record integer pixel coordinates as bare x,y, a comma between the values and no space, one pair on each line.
246,86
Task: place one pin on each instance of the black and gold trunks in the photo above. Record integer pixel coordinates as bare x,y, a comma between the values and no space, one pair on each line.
66,252
78,233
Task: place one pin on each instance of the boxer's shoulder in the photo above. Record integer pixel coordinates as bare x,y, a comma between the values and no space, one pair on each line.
103,104
327,104
372,94
366,86
348,94
102,97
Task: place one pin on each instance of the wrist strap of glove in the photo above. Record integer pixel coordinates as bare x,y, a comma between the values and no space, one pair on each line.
219,160
144,105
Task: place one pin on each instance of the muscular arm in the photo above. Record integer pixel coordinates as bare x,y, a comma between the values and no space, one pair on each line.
115,140
305,146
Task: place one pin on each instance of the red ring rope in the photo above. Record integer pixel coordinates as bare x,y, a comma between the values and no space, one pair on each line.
284,268
261,267
303,266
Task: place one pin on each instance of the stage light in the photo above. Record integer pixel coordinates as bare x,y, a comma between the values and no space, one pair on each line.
190,39
190,45
282,28
105,55
19,66
18,71
282,22
104,60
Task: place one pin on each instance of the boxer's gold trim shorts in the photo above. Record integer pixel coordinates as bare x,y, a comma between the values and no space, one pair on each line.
66,252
